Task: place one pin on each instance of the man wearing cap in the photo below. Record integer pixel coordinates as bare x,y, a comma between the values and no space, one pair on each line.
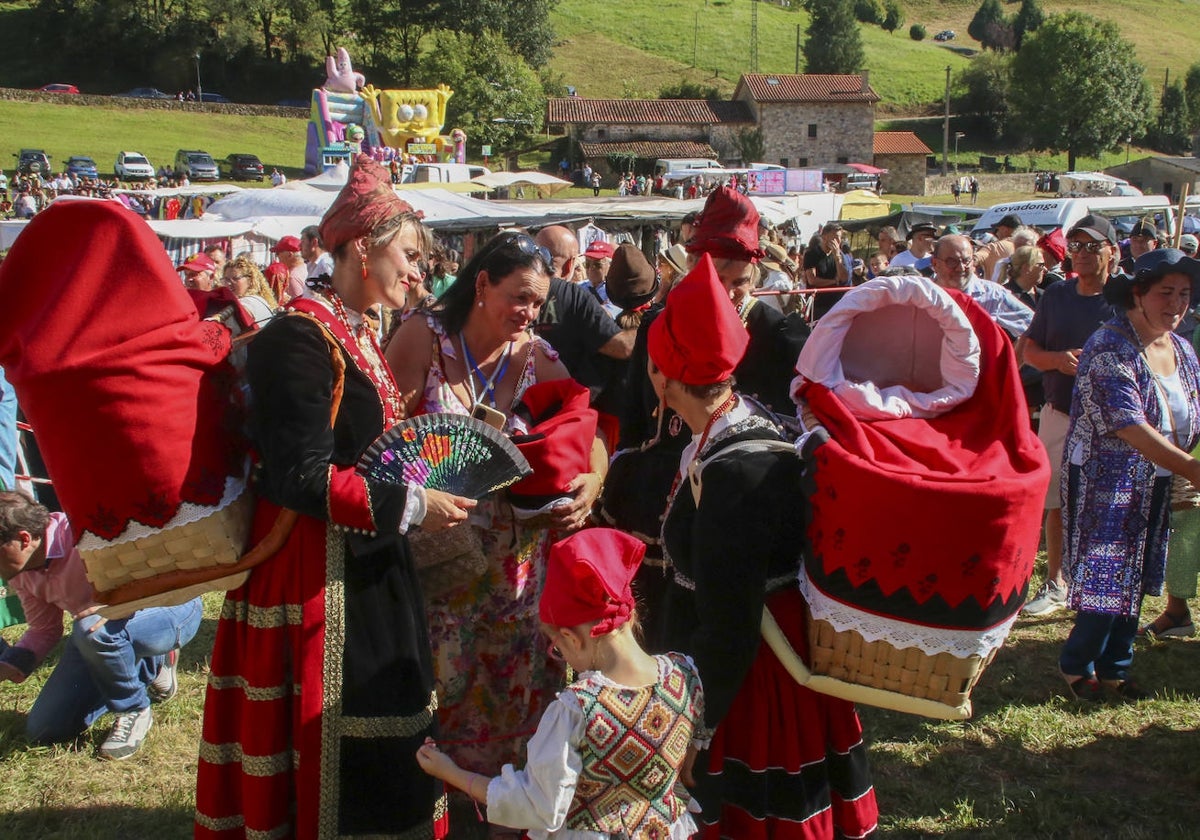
287,253
779,276
1067,315
596,261
574,321
1001,247
728,232
199,272
1142,240
954,268
920,249
1189,244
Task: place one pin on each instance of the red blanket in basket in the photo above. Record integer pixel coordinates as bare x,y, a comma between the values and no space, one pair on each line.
936,521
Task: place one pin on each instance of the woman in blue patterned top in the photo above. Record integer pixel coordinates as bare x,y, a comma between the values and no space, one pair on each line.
1135,416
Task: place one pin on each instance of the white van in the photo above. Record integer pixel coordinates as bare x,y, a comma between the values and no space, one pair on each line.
664,165
1047,214
442,173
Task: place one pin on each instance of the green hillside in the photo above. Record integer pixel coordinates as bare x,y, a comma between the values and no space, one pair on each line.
636,47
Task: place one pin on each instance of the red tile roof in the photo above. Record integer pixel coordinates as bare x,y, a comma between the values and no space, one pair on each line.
574,109
899,143
806,87
650,149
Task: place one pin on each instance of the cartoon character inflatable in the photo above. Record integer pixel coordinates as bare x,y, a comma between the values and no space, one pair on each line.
384,123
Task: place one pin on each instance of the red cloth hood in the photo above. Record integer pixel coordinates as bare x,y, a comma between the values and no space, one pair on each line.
559,443
126,387
935,521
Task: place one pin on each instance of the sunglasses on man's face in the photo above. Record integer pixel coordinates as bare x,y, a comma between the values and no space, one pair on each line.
1090,247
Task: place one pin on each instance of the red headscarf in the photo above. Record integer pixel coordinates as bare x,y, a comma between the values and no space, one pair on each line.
728,227
364,203
699,338
588,579
1054,244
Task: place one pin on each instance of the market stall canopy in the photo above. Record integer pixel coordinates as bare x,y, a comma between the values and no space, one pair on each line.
546,184
863,204
867,169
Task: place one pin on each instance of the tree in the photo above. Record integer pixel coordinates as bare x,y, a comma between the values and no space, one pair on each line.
684,89
750,145
498,97
917,32
525,24
981,94
833,43
989,14
1171,131
1191,91
1077,87
893,16
1028,18
868,11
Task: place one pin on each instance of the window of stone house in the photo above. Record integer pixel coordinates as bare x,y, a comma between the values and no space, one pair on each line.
812,131
843,160
601,132
803,162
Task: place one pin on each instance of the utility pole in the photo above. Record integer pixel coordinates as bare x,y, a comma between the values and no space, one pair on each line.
754,36
696,39
946,126
797,49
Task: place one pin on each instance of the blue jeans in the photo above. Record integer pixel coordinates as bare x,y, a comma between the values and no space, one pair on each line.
8,433
1099,645
108,670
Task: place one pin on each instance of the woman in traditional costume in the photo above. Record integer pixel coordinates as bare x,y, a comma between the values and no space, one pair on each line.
321,687
1135,416
474,353
784,761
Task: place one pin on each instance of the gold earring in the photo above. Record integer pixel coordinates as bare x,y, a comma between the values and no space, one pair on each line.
364,266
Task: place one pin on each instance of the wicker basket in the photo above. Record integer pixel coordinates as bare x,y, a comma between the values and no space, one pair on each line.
908,673
209,543
1183,494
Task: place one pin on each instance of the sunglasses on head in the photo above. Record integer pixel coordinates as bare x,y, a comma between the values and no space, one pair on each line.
1090,247
528,246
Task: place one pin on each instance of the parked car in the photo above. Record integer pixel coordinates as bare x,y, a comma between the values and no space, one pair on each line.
32,162
197,165
145,93
133,166
205,96
58,87
242,167
82,166
944,35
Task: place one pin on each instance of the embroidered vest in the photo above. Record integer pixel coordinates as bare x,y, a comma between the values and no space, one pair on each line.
634,743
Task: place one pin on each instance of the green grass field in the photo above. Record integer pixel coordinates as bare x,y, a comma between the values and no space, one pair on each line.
100,132
1029,764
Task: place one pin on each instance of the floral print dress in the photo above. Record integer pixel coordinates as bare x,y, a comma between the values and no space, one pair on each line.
493,674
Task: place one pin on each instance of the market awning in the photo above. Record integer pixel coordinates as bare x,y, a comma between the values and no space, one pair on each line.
867,169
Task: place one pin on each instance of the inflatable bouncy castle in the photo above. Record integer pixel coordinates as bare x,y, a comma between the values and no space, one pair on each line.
349,116
926,485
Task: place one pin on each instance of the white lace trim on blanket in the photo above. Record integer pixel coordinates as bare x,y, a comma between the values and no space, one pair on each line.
187,514
903,634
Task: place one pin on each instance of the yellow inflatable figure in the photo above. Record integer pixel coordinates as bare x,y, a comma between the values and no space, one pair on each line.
404,116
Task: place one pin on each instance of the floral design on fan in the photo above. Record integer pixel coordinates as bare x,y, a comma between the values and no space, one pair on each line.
409,435
416,472
435,448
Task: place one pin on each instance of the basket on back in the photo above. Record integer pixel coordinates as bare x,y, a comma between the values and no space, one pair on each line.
132,395
926,490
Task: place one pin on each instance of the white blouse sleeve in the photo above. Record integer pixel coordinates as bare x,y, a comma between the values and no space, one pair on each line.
539,796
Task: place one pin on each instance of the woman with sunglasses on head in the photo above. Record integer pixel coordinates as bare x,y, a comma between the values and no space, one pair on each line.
321,684
246,281
474,353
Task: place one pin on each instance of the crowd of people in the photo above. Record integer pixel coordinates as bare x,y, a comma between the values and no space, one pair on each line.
579,654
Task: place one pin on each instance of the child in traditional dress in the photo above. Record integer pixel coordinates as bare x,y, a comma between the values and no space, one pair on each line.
611,750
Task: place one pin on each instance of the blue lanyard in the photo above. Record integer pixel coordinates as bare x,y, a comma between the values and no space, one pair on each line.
489,383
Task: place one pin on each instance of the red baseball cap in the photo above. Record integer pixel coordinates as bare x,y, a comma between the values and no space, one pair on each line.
598,250
197,262
288,243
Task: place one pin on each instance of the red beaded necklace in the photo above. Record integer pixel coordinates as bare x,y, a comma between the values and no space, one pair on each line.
369,357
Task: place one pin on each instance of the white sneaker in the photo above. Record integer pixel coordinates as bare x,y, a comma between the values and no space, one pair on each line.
164,685
128,732
1050,598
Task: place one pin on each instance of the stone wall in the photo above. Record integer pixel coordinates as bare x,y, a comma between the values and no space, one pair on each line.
124,103
905,173
844,131
1011,182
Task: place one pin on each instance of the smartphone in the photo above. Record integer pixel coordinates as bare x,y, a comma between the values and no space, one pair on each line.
488,415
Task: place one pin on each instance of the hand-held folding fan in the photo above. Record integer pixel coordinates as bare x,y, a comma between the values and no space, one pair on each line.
449,452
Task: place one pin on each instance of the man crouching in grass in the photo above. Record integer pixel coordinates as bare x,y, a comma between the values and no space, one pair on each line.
117,666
